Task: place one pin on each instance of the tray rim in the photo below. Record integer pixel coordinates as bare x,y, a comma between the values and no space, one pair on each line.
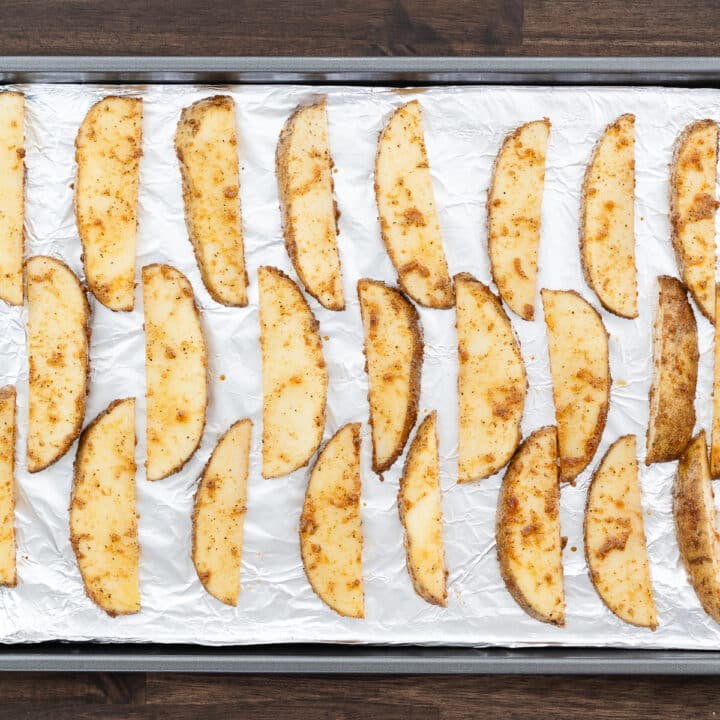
366,659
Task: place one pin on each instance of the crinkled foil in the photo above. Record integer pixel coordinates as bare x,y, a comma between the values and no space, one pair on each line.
464,128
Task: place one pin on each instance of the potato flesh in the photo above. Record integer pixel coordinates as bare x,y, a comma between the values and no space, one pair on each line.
304,170
696,525
675,367
294,375
108,148
528,531
393,350
12,196
715,437
419,502
206,146
58,333
103,523
615,537
330,527
175,368
7,486
491,382
220,513
692,210
607,230
406,206
579,365
514,204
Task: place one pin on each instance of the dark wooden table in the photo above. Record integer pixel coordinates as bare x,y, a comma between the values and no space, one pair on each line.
363,27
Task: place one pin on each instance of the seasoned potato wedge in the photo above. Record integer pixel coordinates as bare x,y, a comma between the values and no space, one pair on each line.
175,370
330,528
294,375
715,437
394,354
615,547
305,183
8,574
491,381
696,524
529,546
513,213
108,148
607,219
220,513
58,339
103,523
406,206
419,503
693,175
206,147
580,369
12,196
675,367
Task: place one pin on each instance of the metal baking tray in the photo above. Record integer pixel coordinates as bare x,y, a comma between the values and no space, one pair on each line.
323,658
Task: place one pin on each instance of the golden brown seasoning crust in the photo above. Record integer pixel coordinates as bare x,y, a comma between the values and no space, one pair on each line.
613,526
522,167
419,506
8,573
162,350
611,273
675,361
121,549
306,190
695,250
331,539
384,344
492,382
696,525
528,541
108,148
406,204
715,435
292,360
44,395
217,522
579,389
206,148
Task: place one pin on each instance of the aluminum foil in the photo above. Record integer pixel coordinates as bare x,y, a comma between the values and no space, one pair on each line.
464,128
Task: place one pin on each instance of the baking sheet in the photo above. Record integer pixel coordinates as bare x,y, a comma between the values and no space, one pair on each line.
464,128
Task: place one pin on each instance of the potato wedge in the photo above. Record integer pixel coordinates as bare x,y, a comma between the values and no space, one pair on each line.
492,383
103,523
607,219
696,524
331,538
693,175
294,375
305,184
8,575
406,205
175,370
394,355
58,340
529,547
715,436
220,513
108,149
206,147
12,196
513,215
615,548
675,368
580,369
419,503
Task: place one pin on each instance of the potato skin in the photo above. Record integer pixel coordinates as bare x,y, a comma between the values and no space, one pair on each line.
672,394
